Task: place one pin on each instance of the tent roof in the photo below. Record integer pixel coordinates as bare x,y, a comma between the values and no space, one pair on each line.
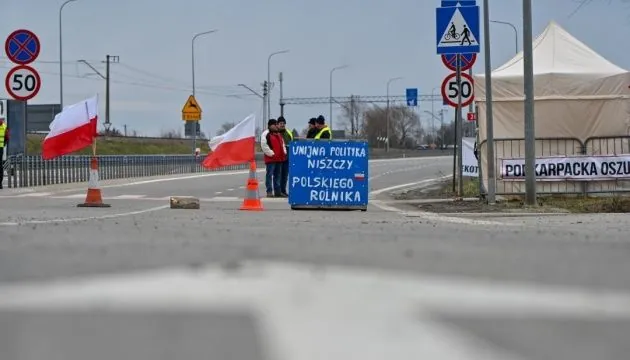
558,52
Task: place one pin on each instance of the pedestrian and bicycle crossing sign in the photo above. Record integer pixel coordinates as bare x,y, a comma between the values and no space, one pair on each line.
457,30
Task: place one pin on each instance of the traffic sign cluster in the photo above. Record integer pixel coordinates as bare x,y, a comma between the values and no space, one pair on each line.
22,82
457,32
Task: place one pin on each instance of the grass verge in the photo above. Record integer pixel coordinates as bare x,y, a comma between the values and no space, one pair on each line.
128,146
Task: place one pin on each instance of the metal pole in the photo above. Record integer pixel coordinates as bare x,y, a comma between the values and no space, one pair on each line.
194,123
460,128
61,54
387,111
269,80
107,57
280,80
530,134
433,132
513,27
489,119
330,99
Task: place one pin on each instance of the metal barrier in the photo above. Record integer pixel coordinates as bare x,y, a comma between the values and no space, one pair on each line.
28,171
515,148
608,145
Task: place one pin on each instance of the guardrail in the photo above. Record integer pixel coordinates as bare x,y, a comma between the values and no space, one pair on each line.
30,171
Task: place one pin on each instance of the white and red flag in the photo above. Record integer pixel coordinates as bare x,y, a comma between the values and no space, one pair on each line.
234,147
73,129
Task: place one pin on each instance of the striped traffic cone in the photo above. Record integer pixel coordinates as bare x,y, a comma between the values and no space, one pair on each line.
252,198
94,197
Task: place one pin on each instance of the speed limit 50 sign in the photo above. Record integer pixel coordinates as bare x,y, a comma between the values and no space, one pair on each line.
23,82
451,90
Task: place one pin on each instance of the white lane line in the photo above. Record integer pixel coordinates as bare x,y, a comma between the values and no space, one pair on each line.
358,313
424,214
99,217
219,192
127,197
408,185
230,189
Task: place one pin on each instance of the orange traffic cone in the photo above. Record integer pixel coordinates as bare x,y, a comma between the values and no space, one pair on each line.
252,198
94,197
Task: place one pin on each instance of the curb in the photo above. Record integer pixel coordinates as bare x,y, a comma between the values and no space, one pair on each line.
502,214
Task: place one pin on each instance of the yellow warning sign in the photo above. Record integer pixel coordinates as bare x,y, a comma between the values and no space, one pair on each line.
191,110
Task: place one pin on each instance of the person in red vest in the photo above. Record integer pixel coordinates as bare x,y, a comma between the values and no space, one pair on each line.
275,153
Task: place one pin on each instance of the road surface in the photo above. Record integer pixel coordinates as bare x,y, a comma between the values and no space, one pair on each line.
142,281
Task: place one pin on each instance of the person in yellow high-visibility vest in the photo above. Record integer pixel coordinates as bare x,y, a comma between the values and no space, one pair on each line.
4,139
287,135
324,131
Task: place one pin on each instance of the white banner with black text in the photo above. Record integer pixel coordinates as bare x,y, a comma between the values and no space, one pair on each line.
577,168
469,161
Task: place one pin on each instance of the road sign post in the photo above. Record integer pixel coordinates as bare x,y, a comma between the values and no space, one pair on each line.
457,29
412,97
22,82
467,61
489,117
457,84
192,112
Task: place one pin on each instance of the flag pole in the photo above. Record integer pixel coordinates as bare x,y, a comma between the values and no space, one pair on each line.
87,113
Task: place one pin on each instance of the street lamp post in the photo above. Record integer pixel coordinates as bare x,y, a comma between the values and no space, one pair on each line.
387,110
269,81
61,54
330,100
512,26
194,123
433,132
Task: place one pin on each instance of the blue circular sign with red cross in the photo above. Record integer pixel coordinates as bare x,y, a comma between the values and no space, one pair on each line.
22,47
467,61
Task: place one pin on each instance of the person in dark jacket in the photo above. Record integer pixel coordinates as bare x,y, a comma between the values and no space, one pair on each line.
312,129
287,135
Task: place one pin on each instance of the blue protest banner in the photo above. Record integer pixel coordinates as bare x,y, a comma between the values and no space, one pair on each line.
328,174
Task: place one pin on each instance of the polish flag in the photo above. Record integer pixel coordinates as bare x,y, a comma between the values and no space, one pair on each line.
234,147
73,129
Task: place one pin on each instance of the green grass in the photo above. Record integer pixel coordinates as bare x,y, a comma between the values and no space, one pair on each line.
582,205
127,146
471,188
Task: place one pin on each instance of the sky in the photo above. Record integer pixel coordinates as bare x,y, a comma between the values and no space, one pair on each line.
377,39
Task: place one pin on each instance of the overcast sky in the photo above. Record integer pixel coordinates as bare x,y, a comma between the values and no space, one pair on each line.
378,39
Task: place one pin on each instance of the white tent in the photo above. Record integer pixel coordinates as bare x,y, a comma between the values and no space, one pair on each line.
578,94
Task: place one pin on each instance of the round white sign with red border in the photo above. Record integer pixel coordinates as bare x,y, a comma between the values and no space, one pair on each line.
450,90
23,82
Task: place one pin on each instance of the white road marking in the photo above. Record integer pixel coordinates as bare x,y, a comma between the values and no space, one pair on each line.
219,192
127,197
424,214
230,189
37,194
98,217
357,313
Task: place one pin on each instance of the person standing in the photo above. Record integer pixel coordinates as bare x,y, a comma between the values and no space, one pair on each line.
4,140
287,136
323,131
275,153
312,128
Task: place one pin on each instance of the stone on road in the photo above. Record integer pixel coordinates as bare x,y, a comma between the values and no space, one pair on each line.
308,285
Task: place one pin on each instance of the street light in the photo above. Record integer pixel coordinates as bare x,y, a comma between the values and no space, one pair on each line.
61,55
330,115
510,25
269,81
193,55
433,132
194,123
387,111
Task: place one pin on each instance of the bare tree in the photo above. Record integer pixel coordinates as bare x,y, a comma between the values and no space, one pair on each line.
352,116
404,126
113,132
225,127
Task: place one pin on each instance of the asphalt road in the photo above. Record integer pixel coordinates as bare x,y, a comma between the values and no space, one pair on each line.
224,284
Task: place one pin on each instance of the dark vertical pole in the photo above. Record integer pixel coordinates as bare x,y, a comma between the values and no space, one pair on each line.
530,133
107,92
